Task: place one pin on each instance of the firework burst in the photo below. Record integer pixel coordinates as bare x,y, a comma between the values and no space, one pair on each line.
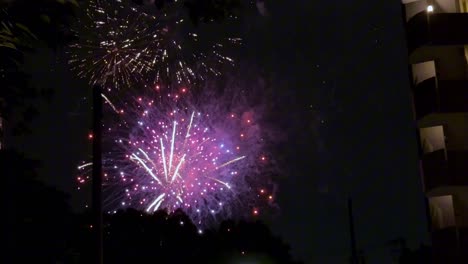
178,63
205,156
114,47
121,45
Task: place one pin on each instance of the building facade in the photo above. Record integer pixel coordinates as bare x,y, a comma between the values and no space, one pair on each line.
437,35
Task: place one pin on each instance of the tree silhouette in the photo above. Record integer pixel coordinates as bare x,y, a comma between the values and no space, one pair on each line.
131,236
421,255
139,237
46,20
38,219
204,11
248,240
24,26
38,216
207,11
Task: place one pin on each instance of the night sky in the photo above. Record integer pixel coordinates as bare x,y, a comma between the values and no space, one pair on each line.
349,125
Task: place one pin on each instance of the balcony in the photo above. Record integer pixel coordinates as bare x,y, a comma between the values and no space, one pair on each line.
425,97
435,169
446,248
432,96
463,233
458,167
437,29
453,95
441,172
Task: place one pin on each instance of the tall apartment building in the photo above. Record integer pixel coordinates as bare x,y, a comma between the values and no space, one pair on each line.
437,35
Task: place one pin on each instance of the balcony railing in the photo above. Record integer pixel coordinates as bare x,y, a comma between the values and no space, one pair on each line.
435,169
458,167
431,96
439,171
437,29
447,246
463,233
426,97
453,95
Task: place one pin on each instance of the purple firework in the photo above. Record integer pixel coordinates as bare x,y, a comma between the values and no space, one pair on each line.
205,158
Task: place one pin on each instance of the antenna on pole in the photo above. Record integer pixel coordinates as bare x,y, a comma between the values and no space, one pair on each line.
97,176
354,255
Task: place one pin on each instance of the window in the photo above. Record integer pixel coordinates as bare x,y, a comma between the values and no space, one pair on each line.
442,211
432,138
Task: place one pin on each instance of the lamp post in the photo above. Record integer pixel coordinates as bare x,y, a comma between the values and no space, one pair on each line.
354,255
97,176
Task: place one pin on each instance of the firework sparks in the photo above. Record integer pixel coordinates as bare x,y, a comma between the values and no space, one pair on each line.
181,163
114,47
121,45
199,158
186,67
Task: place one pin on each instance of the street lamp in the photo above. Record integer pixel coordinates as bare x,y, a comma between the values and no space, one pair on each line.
97,174
430,9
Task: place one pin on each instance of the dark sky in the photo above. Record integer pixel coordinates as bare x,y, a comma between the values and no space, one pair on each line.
351,132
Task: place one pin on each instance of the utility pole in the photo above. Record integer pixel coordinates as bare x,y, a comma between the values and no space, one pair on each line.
354,255
97,176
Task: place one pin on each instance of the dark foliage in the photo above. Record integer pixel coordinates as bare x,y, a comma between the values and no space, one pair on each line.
422,255
404,255
134,237
160,4
25,26
248,240
18,99
205,11
38,216
48,20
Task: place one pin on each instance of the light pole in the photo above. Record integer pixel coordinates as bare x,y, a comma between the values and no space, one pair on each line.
354,255
97,176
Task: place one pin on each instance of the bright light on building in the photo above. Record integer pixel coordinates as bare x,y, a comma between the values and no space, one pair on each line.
430,9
